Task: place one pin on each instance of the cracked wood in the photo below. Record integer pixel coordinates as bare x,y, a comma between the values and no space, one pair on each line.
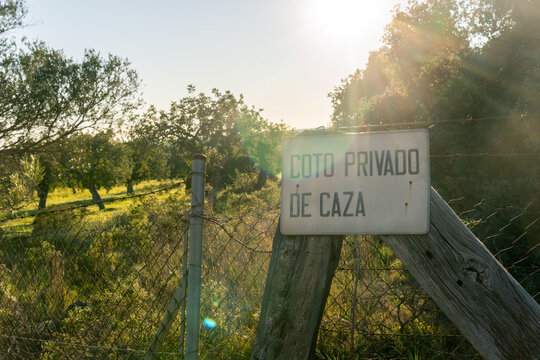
488,306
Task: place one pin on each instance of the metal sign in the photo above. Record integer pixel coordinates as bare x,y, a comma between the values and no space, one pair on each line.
369,183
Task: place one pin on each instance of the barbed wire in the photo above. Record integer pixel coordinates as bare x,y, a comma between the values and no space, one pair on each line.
457,155
250,212
88,346
235,277
428,123
521,213
106,201
80,231
369,282
367,333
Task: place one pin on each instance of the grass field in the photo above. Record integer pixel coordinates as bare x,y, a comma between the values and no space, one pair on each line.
65,197
123,265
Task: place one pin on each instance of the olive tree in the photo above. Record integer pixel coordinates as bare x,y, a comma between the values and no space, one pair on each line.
46,96
95,161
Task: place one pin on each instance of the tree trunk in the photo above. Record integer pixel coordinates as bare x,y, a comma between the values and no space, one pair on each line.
43,192
262,178
212,197
298,283
130,190
96,198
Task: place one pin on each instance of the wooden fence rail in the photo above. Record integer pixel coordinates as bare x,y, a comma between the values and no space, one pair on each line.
488,306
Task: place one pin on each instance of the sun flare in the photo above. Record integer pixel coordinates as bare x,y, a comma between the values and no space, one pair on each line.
340,20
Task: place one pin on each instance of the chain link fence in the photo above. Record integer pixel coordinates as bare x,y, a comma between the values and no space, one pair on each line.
236,255
68,290
376,309
71,290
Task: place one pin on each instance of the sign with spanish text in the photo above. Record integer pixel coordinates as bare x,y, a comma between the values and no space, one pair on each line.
368,183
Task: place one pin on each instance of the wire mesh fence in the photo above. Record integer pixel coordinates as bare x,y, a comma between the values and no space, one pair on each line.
71,290
375,309
380,311
235,260
74,291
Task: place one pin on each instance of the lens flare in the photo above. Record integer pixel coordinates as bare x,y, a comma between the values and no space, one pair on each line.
209,323
262,142
215,303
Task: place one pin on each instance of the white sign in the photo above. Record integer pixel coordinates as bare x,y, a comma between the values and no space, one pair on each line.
369,183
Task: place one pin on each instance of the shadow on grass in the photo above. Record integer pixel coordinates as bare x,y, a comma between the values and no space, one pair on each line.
65,205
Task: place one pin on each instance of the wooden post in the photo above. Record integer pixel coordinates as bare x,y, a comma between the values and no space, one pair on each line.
195,257
299,278
488,306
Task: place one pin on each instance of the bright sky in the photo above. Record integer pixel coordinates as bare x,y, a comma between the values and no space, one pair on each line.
284,56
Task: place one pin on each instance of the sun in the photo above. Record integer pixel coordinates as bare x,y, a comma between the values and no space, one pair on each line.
337,19
344,21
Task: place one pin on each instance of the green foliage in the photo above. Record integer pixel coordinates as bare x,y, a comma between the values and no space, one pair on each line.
391,315
164,213
18,188
12,13
98,317
232,135
74,282
149,160
262,141
60,217
423,51
243,195
45,97
199,124
96,161
459,60
107,285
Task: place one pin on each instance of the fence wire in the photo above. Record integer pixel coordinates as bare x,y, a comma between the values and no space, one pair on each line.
71,290
376,309
80,292
236,254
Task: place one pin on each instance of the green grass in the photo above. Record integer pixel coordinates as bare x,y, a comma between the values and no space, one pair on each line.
136,272
23,219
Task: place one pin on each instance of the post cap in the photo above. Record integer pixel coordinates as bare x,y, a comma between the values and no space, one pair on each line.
199,157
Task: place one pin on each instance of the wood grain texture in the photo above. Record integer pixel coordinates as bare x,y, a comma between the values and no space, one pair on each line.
489,307
297,286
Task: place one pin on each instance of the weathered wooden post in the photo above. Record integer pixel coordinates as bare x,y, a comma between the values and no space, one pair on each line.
299,278
488,306
378,183
195,257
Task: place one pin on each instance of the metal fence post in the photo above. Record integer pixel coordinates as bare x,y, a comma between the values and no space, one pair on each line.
184,281
195,257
